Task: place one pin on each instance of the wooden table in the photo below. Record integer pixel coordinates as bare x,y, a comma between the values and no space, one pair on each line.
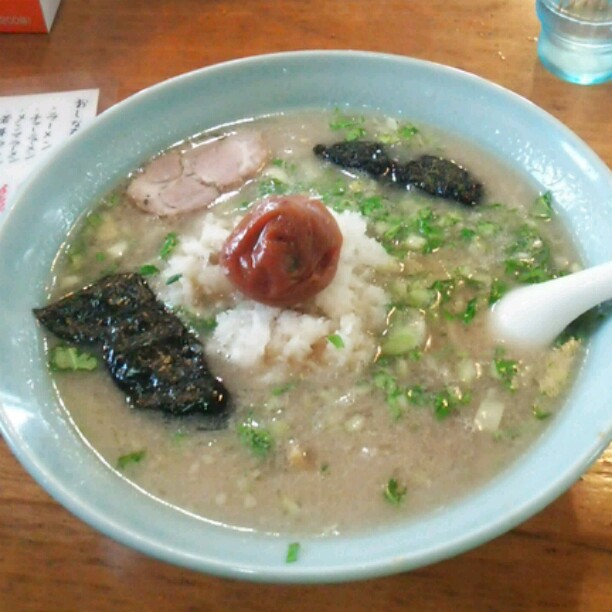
49,560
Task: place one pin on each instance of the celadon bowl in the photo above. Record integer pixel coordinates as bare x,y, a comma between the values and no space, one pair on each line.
40,433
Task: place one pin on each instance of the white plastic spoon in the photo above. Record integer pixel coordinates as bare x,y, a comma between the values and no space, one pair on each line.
534,315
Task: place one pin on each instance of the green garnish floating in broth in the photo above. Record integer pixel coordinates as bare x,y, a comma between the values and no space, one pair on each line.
393,492
498,290
170,243
271,186
506,370
284,164
179,436
130,459
540,414
293,551
256,438
173,279
529,258
444,289
351,125
112,200
407,131
470,311
448,401
467,234
336,340
542,207
403,132
94,219
395,395
405,333
148,270
282,389
68,358
198,323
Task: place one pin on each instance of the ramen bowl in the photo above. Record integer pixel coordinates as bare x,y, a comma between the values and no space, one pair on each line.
41,434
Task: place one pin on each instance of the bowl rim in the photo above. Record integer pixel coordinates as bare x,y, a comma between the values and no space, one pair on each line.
345,570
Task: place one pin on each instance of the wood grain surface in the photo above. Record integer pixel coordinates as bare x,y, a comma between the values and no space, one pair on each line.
561,559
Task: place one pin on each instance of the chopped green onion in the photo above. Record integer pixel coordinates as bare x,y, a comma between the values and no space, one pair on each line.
200,325
417,395
444,289
351,126
467,234
498,289
173,279
448,400
255,437
397,402
542,207
470,311
100,256
406,332
487,228
112,200
68,358
420,297
511,433
370,205
407,131
170,243
336,340
283,163
293,551
179,436
270,185
540,414
443,404
393,492
506,370
94,219
529,258
282,389
148,270
135,457
383,380
403,132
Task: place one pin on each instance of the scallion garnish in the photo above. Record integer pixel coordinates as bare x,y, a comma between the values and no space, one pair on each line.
336,340
170,243
68,358
293,551
148,270
542,207
173,279
393,492
258,439
135,457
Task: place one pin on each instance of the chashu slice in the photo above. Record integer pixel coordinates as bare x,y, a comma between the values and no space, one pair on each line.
181,182
229,161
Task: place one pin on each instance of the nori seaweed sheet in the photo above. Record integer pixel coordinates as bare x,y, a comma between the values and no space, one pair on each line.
151,356
435,175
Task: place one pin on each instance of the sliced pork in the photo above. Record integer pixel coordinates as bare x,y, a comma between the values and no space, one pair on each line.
183,181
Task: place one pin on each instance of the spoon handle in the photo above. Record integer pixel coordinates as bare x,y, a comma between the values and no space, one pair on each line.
535,315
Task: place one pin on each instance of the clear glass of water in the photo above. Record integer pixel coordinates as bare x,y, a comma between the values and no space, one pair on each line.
575,41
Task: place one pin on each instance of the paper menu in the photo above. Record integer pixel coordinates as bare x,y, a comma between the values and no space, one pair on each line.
31,126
